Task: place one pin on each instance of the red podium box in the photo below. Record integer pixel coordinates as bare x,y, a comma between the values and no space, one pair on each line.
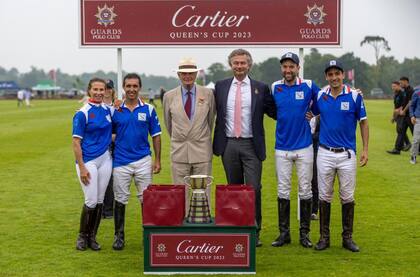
164,205
235,205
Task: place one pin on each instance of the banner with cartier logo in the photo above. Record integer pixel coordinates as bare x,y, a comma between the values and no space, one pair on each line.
123,23
199,250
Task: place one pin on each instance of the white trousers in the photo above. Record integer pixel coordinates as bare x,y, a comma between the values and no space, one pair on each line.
140,170
100,171
416,138
303,159
331,164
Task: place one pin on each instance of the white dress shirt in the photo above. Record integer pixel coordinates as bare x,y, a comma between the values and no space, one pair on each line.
245,108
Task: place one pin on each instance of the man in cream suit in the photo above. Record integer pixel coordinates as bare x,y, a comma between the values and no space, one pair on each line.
189,112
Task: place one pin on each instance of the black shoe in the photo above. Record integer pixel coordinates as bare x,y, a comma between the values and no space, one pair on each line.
349,244
282,239
119,218
82,242
305,240
406,147
322,244
119,242
393,152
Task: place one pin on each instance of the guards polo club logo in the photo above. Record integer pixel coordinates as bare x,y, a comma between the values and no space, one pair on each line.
315,15
105,15
161,247
239,248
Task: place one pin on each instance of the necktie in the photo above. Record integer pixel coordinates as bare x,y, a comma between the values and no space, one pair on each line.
187,106
237,121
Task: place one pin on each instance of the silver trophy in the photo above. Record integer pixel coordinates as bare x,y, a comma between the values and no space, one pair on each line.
199,211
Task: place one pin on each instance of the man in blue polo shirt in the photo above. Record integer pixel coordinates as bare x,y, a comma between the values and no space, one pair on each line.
293,97
340,108
415,120
133,122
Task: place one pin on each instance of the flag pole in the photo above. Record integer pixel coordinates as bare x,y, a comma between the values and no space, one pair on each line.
119,73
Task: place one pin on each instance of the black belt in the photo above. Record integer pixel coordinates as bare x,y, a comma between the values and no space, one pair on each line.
239,138
336,150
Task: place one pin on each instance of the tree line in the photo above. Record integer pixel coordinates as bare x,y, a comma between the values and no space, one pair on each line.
367,76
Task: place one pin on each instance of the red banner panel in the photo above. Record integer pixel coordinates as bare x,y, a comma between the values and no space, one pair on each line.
199,250
210,22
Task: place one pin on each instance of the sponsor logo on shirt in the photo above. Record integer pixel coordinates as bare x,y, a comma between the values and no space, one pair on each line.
299,95
142,116
345,106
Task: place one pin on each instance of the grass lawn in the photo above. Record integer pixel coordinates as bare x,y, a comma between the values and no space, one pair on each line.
40,203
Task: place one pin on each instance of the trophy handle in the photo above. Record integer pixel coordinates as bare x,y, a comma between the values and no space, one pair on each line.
187,180
209,180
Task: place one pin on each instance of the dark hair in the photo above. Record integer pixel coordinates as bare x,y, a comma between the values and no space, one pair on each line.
95,80
403,78
240,52
132,76
396,83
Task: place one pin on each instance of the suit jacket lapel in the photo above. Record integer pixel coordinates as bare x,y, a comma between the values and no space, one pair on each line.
254,91
197,111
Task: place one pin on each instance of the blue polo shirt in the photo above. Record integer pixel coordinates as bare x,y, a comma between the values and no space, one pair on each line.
92,124
132,130
339,117
415,105
292,130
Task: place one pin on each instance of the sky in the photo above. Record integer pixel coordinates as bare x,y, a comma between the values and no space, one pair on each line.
45,34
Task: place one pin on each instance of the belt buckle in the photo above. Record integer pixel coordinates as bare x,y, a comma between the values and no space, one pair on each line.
337,150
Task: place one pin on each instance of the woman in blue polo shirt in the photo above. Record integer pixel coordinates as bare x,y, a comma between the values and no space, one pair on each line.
92,131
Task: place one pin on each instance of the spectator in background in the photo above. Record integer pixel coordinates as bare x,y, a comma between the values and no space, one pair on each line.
408,90
152,97
162,93
28,95
415,120
399,100
108,209
20,97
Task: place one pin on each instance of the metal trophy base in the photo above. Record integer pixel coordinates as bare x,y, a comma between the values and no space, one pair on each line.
199,212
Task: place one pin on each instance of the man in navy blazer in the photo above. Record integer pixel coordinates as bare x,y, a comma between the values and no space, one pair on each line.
239,132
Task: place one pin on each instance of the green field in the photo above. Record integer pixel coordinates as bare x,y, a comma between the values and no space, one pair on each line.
40,203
